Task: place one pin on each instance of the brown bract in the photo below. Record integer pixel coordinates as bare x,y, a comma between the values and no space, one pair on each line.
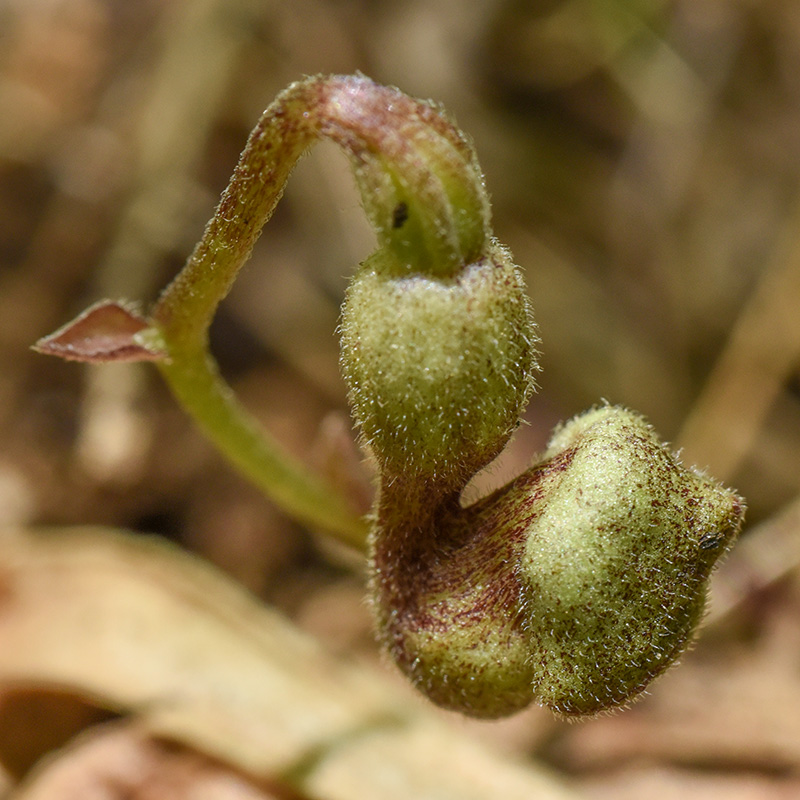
105,332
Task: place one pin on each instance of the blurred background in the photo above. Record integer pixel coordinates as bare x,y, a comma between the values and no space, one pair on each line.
643,157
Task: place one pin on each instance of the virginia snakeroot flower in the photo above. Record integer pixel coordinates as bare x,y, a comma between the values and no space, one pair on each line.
574,585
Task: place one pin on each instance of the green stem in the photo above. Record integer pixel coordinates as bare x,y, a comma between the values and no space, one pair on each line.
197,385
185,310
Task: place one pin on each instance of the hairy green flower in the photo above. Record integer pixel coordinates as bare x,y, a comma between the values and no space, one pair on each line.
573,586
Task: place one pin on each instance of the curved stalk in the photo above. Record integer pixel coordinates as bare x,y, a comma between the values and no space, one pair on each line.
195,381
375,125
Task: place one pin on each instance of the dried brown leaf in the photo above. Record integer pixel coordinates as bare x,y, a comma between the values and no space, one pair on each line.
36,720
123,763
145,627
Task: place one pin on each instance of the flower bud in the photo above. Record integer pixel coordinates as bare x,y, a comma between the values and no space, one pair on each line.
437,334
